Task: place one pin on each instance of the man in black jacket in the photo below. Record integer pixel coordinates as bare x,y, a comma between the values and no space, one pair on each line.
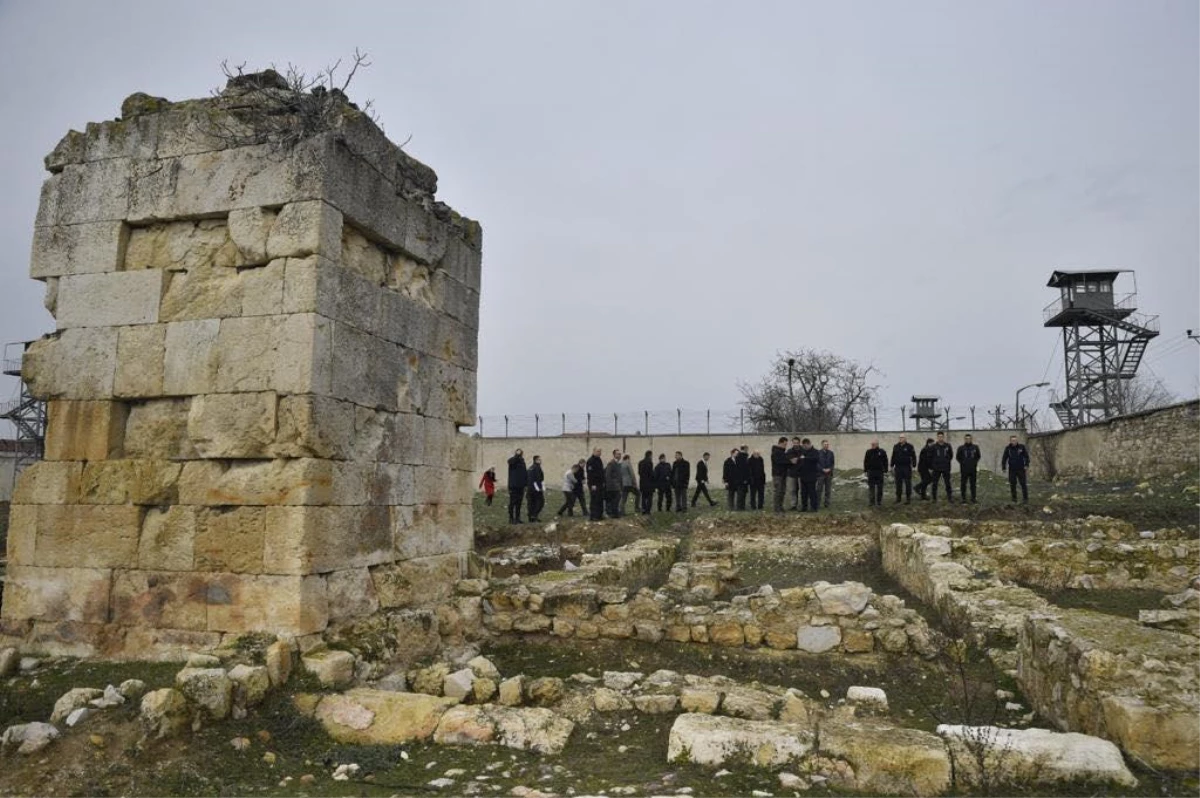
779,469
595,482
741,476
924,469
904,458
662,483
828,460
1016,460
729,477
646,481
941,459
612,485
793,475
537,489
810,476
875,465
518,480
968,456
681,475
758,481
702,481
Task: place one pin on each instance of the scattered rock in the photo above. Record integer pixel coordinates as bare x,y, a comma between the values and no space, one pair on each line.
269,758
790,781
202,661
111,698
621,680
279,663
28,664
211,688
394,682
251,683
545,691
818,639
523,728
132,689
331,667
72,700
606,700
656,704
381,717
429,680
439,784
871,697
78,716
459,684
344,772
694,699
483,690
512,691
164,713
848,598
28,738
10,662
240,743
96,740
484,668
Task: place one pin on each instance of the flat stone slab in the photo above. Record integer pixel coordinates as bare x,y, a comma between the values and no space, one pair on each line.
1035,756
715,740
381,717
887,759
524,728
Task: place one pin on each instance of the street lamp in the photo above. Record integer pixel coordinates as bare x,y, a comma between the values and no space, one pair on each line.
1017,410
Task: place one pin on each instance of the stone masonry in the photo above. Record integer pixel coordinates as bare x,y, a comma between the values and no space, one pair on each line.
261,359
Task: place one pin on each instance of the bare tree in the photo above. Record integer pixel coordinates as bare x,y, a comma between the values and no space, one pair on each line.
1144,393
806,389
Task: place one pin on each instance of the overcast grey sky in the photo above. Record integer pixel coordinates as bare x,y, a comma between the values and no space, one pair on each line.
672,191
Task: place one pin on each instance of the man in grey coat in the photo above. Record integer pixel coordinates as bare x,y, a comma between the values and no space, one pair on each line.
612,485
628,482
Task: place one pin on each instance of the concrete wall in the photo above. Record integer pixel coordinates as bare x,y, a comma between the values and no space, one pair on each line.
559,453
8,462
1161,441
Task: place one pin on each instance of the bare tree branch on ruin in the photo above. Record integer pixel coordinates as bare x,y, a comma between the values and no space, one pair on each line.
810,390
284,109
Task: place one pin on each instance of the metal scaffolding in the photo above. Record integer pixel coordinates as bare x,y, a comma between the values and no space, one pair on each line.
25,413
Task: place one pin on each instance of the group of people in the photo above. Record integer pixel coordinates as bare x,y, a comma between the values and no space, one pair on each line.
802,477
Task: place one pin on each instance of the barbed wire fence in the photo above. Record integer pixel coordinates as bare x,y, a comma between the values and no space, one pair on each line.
727,421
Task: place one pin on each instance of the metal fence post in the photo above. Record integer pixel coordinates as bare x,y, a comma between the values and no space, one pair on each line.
647,415
614,423
742,421
903,420
708,422
589,424
972,416
481,426
506,426
875,417
564,424
537,426
679,421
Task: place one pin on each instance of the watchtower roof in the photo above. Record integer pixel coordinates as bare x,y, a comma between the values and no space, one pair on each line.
1059,278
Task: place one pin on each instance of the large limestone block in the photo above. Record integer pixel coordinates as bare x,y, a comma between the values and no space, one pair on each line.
262,289
306,228
87,536
77,249
230,539
164,713
84,430
370,371
316,426
818,639
91,192
333,668
202,292
157,429
249,229
523,728
848,598
109,299
57,594
295,605
190,359
80,363
1167,736
141,354
381,717
289,354
49,482
160,599
126,481
278,482
351,594
363,256
180,245
303,540
1032,756
233,425
22,534
715,740
419,582
888,759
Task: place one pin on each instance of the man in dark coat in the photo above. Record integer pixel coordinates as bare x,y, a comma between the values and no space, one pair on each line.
612,485
741,476
729,477
810,475
537,489
875,465
924,469
1016,460
662,483
968,456
702,481
793,475
681,475
518,481
826,456
904,459
646,481
941,460
779,469
595,481
758,481
581,486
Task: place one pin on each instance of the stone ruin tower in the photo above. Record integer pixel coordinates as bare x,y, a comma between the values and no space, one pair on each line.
266,339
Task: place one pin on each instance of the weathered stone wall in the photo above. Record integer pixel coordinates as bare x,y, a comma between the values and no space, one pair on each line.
261,359
559,453
1156,442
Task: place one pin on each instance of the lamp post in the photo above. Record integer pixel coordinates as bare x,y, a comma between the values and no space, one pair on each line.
1017,411
791,397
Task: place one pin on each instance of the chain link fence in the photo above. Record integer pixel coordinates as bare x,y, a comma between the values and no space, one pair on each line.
689,421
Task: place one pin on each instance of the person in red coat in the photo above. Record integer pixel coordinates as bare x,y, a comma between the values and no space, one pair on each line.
488,483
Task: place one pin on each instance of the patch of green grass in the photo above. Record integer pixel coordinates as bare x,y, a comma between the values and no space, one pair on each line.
30,697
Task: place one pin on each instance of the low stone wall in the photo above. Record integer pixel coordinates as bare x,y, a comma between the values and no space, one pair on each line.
1156,442
1087,672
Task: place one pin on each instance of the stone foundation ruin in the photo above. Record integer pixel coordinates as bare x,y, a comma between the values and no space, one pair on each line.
262,355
